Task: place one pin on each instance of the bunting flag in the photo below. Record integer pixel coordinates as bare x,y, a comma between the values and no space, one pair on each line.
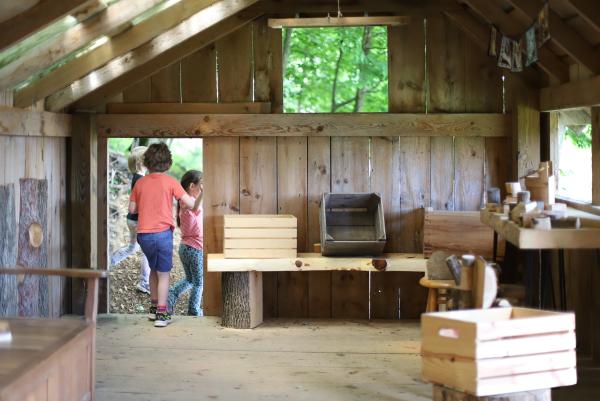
492,51
505,56
531,55
543,33
517,56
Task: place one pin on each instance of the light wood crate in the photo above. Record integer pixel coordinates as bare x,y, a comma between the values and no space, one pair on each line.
495,351
260,236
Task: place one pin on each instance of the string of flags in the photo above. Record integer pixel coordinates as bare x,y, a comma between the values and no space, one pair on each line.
511,52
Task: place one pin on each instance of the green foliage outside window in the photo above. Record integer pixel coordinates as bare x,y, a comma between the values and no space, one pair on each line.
581,136
329,70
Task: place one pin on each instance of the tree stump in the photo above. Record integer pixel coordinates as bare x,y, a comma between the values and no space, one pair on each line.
441,393
242,299
9,293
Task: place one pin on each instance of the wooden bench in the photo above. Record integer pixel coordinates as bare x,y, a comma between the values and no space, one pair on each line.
51,359
242,278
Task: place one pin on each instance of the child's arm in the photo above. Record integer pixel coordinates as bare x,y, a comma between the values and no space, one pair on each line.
132,207
189,201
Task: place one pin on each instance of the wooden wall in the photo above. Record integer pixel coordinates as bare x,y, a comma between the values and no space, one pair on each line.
39,158
288,175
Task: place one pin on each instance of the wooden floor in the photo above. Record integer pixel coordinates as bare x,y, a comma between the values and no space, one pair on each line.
196,359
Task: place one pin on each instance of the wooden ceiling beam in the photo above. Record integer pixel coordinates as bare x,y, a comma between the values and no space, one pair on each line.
289,8
108,22
115,47
589,10
201,29
20,122
494,14
563,35
478,31
583,93
304,124
37,17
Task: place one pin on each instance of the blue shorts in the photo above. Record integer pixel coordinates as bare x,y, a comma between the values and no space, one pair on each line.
158,248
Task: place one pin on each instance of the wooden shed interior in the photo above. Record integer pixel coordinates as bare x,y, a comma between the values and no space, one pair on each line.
457,125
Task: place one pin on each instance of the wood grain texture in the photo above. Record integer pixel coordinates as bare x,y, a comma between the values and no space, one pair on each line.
33,291
497,163
242,300
442,173
338,124
222,183
9,293
483,80
267,64
199,76
446,66
526,127
188,108
19,122
103,213
292,287
165,85
414,190
235,67
319,182
406,80
580,93
469,170
349,173
138,92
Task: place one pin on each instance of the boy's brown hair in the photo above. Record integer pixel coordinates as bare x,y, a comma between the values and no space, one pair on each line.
158,158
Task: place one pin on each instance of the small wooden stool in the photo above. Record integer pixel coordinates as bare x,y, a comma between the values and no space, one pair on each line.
441,393
438,293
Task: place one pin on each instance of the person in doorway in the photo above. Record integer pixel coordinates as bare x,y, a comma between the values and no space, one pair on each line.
135,163
191,247
152,198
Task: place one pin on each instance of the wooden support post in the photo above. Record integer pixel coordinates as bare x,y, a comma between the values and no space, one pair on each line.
84,209
441,393
102,187
242,299
9,294
596,155
526,128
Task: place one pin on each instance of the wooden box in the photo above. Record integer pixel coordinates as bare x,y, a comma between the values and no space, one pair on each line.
256,236
495,351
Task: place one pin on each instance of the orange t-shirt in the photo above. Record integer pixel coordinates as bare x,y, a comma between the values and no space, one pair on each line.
154,195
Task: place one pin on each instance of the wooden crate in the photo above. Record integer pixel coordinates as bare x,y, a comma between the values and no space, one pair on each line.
260,236
496,351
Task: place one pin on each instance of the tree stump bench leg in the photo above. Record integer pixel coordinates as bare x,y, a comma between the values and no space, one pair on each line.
441,393
242,299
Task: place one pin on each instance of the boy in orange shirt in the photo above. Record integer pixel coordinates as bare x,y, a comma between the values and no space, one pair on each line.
152,198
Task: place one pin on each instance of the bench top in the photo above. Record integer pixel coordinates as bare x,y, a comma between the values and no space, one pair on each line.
391,262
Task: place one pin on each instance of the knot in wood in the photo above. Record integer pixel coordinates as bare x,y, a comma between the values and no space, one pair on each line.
379,264
36,235
298,263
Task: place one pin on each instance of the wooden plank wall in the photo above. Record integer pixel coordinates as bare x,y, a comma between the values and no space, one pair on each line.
288,175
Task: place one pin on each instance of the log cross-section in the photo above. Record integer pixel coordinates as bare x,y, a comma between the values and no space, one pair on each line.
242,299
351,124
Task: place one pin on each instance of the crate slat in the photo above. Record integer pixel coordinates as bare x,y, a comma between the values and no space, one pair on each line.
260,243
259,253
261,233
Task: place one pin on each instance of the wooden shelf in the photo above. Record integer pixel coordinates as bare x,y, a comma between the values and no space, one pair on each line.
586,237
391,262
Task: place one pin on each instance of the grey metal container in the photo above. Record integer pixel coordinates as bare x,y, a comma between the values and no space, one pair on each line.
352,224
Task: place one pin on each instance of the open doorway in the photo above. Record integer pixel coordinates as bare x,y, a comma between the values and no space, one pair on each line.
126,282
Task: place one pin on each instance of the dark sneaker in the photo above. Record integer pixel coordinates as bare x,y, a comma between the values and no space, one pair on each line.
152,313
162,319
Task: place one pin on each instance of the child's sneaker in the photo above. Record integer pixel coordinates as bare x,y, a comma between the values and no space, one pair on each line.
162,319
152,313
143,288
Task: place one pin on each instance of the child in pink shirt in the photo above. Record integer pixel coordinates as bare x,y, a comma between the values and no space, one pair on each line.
191,247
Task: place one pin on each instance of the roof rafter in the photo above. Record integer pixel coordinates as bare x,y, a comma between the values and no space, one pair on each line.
563,35
107,22
589,10
202,28
494,14
115,47
476,31
37,17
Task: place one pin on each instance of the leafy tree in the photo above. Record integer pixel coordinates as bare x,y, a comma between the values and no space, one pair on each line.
335,70
581,136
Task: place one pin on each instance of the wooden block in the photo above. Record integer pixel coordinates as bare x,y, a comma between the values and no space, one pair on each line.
441,393
242,300
259,253
259,243
9,294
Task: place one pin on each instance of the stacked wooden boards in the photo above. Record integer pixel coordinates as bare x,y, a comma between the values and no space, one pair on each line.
496,351
259,236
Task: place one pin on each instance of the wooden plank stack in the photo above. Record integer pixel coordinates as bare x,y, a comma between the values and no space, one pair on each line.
260,236
498,351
